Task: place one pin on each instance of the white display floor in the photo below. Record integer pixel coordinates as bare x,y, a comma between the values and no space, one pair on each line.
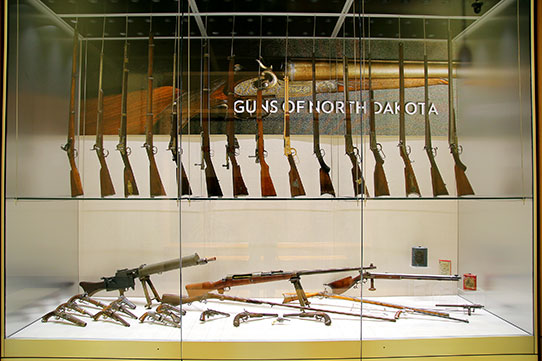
343,328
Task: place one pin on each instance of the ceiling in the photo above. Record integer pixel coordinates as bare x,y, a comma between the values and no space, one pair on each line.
305,18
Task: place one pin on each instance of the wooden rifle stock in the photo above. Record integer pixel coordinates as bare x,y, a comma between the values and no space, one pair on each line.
411,184
296,186
239,187
213,187
156,187
326,186
267,187
75,178
351,151
130,186
380,181
106,185
462,182
437,183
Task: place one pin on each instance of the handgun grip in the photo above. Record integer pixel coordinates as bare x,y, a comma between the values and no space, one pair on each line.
238,318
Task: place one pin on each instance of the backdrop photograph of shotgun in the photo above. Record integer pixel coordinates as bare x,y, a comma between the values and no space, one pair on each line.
155,182
462,183
75,178
106,185
232,145
130,186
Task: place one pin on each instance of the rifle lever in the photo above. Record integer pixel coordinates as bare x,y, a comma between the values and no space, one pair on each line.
380,151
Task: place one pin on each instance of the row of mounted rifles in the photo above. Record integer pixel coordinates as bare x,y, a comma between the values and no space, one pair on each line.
264,81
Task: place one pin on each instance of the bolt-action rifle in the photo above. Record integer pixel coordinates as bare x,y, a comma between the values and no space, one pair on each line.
130,186
344,284
156,186
106,185
125,278
69,147
462,182
326,186
411,184
351,151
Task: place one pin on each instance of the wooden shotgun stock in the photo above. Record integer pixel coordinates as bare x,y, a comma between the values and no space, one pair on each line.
75,178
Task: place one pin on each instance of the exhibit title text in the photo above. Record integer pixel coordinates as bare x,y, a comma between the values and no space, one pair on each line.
337,106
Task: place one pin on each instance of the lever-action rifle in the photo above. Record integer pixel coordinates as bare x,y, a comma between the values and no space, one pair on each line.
125,278
156,187
213,187
296,186
326,186
239,187
267,187
130,186
344,284
106,185
462,182
439,188
69,147
351,151
199,289
411,184
381,183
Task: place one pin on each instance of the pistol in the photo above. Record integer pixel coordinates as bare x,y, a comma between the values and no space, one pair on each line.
245,316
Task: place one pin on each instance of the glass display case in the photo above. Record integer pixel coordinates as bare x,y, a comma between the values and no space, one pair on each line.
161,201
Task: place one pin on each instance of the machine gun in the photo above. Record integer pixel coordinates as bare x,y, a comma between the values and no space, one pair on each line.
125,278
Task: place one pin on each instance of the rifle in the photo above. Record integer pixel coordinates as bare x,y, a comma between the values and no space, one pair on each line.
411,184
470,308
174,135
130,186
381,183
344,284
293,297
125,278
213,187
106,185
462,182
439,188
239,187
267,187
200,289
177,300
69,147
326,186
351,151
156,187
296,186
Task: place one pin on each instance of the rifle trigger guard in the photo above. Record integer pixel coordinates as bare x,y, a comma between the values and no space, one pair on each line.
154,149
380,151
408,149
434,151
211,153
265,153
105,152
322,152
128,151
